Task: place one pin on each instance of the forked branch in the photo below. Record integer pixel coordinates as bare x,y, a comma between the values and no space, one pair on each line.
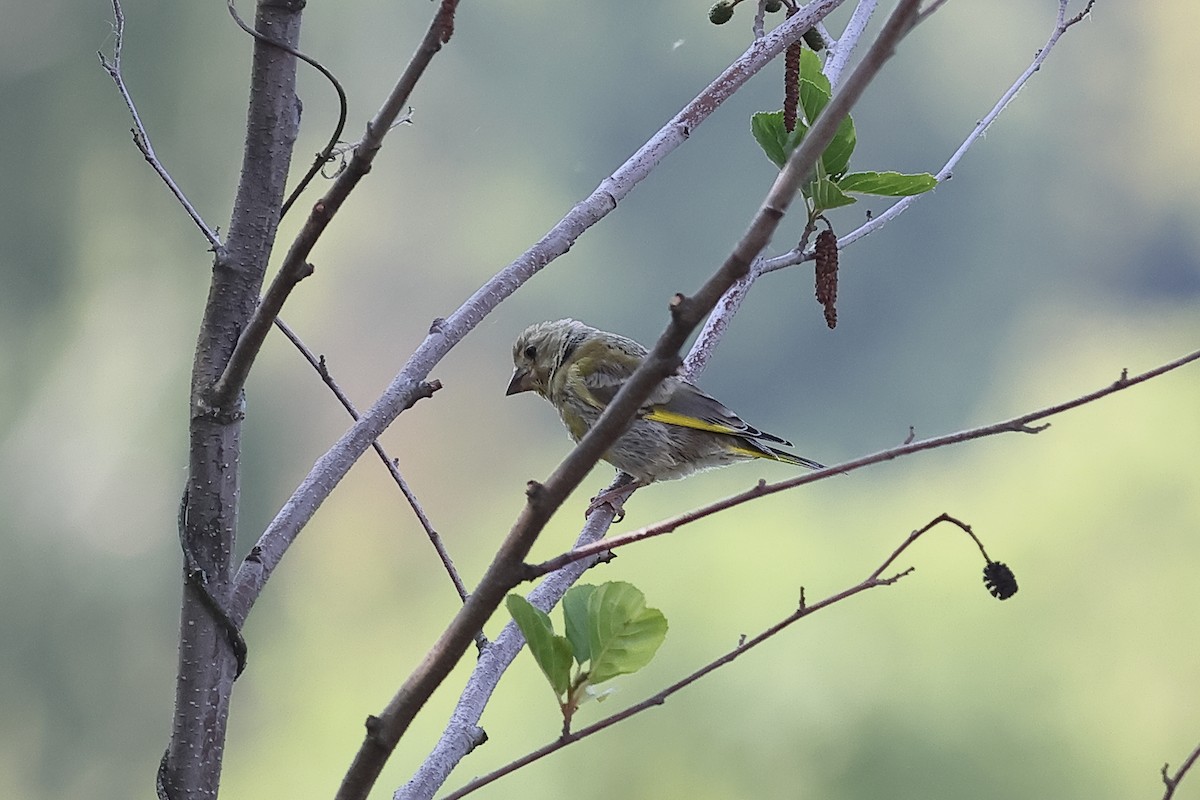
385,731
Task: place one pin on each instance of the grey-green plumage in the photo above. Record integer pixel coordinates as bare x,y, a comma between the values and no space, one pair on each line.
678,431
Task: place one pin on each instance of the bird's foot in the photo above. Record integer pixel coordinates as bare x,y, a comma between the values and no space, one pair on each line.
613,499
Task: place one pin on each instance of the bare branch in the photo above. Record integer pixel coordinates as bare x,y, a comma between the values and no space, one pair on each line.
295,266
839,52
141,138
1021,424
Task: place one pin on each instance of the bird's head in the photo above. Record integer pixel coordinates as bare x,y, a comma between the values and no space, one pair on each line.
539,350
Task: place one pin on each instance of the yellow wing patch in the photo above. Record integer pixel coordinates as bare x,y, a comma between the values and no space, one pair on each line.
660,414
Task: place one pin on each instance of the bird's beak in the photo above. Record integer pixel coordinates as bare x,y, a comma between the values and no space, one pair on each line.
522,381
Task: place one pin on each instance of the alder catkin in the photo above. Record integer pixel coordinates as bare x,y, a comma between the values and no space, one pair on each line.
826,252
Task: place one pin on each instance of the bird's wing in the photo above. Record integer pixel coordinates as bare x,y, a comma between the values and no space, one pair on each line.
687,406
678,402
599,370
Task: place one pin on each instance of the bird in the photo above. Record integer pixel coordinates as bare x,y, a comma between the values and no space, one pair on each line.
678,431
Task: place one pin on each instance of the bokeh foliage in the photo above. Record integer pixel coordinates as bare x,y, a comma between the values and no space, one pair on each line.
1062,251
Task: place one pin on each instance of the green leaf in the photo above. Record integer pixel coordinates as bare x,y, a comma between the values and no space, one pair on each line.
815,90
772,136
815,93
623,634
887,184
837,154
768,130
552,653
825,195
575,615
812,99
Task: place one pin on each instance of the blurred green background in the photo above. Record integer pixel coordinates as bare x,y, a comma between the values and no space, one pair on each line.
1064,250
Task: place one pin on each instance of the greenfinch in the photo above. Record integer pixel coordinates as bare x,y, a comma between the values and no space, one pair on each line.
678,431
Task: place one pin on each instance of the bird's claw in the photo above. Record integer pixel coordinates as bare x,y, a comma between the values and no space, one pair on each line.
612,500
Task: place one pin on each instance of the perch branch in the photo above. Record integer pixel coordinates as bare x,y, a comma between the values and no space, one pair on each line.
1020,424
327,153
462,730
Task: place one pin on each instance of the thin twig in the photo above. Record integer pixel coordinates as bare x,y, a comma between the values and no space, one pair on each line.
141,138
872,581
393,469
1020,424
1172,781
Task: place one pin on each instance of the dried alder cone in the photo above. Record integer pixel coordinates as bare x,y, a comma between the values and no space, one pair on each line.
999,580
721,12
826,253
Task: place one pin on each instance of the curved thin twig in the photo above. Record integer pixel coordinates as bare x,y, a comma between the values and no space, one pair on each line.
295,266
327,154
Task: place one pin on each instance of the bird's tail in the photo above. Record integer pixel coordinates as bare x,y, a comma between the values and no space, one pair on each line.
790,458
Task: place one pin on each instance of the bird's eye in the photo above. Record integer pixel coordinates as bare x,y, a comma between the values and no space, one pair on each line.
531,352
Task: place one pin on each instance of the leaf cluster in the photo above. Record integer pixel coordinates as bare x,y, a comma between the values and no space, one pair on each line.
609,631
832,183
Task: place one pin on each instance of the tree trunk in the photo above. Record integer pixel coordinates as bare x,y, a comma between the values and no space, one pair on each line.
207,666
